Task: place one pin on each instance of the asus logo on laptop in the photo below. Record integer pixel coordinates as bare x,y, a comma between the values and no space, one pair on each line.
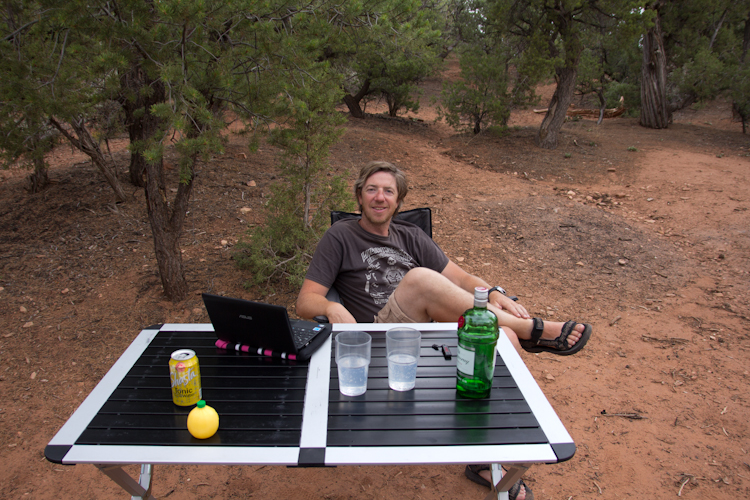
243,316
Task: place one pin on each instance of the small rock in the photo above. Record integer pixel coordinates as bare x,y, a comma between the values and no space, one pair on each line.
22,309
245,210
251,183
28,324
66,290
622,262
579,263
549,376
224,243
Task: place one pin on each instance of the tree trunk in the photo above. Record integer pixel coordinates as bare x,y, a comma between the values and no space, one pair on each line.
40,178
565,74
86,144
40,144
549,131
141,124
166,227
654,106
352,101
140,93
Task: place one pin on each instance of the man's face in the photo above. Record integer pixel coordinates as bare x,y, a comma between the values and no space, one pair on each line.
378,199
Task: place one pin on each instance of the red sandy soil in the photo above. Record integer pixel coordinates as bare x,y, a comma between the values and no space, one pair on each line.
643,233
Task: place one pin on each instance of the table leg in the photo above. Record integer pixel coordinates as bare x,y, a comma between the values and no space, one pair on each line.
140,490
503,482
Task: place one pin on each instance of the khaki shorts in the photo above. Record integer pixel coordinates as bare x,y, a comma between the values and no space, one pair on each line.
392,313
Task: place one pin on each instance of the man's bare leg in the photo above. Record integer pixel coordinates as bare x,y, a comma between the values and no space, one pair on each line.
488,476
425,295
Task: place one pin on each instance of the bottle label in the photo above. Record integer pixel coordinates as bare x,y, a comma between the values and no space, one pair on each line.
465,361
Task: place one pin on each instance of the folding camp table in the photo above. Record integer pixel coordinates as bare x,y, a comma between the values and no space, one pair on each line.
280,412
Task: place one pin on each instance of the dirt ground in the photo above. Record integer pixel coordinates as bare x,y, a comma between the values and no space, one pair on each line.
643,233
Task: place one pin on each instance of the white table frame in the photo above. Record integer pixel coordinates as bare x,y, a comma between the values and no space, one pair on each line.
110,459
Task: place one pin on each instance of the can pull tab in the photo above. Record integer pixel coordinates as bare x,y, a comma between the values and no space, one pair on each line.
444,349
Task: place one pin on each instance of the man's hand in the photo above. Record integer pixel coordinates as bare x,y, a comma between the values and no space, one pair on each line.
312,302
337,313
499,300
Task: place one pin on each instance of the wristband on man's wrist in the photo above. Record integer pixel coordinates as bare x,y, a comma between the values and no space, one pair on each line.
496,289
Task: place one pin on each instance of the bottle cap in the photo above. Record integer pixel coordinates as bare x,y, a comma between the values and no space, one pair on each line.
480,296
201,403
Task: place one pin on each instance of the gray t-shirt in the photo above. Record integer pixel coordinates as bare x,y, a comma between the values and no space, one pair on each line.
365,268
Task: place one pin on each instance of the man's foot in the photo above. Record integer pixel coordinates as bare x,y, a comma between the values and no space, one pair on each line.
481,474
553,329
556,338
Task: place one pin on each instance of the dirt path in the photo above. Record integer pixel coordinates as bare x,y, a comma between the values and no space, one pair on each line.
642,233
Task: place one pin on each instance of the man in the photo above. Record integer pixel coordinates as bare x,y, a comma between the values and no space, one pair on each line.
389,271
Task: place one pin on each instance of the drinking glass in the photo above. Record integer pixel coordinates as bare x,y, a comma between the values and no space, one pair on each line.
353,360
402,348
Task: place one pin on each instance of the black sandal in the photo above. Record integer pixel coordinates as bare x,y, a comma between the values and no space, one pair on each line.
472,472
559,345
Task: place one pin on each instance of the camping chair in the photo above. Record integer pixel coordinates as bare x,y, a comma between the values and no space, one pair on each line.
421,217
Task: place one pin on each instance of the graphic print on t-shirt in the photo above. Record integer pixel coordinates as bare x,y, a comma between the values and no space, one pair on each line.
385,269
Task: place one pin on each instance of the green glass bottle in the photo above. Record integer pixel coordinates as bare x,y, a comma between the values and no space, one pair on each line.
477,348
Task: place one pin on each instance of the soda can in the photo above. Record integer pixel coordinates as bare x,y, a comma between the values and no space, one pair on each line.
185,377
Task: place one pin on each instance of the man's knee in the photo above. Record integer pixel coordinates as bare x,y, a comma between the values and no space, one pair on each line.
420,275
420,280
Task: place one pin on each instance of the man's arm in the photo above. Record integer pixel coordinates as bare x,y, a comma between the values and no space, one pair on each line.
468,282
312,302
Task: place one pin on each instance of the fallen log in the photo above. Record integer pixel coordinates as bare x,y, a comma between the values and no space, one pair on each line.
608,113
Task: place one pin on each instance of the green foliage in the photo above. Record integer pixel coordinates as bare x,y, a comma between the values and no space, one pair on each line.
630,91
704,44
385,48
298,212
740,94
281,249
480,98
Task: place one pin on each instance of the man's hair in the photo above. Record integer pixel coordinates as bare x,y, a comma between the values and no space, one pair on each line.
382,166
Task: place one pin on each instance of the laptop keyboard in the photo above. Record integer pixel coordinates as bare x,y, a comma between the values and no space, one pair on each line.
302,335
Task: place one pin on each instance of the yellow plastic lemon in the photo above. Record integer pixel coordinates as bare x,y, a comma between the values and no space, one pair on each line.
203,421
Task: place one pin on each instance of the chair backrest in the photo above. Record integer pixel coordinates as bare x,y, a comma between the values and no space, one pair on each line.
421,217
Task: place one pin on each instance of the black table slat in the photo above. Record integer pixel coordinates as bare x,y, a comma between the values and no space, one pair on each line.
430,422
228,370
222,407
150,437
217,382
420,394
210,394
376,381
406,407
456,437
235,422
